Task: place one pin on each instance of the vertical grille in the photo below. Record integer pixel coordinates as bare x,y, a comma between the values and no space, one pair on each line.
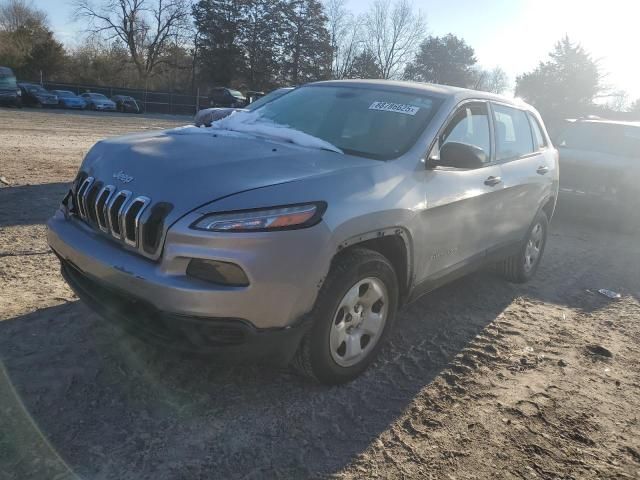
81,195
119,213
131,220
101,207
151,230
115,211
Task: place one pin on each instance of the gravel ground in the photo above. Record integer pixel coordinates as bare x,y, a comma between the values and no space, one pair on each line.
482,379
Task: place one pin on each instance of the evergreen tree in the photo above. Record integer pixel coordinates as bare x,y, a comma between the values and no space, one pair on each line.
307,45
365,65
219,27
445,60
565,85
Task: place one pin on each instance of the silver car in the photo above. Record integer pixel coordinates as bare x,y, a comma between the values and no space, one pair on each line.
295,232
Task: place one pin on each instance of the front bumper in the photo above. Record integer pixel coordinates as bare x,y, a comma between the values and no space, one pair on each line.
231,339
285,270
9,99
106,108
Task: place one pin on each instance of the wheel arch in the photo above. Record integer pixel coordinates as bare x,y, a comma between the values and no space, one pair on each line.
394,243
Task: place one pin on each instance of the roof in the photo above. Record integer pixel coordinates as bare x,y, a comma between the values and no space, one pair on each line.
431,88
626,123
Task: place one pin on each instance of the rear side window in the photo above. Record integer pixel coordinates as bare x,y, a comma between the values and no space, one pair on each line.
513,133
469,125
608,138
538,138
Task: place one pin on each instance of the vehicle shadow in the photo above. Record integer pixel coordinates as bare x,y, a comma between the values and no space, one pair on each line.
30,204
90,400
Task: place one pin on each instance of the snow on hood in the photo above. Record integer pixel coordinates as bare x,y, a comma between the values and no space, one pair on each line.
254,124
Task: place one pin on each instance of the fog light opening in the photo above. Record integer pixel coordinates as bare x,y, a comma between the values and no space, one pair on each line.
220,273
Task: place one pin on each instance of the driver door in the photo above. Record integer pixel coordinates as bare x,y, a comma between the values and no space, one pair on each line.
461,203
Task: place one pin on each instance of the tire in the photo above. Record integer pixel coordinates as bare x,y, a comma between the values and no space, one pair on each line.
358,277
520,268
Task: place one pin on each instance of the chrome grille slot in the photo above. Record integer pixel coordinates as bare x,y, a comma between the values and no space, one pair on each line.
130,220
82,196
102,201
115,210
90,201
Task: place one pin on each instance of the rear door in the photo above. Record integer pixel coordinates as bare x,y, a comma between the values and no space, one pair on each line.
528,169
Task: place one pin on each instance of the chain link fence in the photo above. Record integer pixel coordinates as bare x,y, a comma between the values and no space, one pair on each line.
154,102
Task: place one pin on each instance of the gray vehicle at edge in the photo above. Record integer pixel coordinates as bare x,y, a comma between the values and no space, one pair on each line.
251,246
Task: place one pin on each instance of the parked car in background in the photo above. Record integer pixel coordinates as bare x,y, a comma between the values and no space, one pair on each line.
600,165
208,115
68,99
299,243
252,96
10,94
127,104
35,95
226,97
97,101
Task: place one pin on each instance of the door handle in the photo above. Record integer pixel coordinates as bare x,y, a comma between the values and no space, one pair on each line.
542,170
493,181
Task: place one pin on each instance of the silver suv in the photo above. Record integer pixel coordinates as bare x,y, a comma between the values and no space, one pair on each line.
296,231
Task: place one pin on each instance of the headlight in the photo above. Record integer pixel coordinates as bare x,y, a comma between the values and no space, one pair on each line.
276,218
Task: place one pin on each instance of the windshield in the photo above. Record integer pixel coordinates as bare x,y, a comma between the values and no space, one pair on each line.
98,96
36,89
236,93
368,122
64,93
267,98
7,81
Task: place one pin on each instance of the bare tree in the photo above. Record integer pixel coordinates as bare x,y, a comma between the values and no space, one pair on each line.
393,34
618,101
147,27
495,80
346,36
15,14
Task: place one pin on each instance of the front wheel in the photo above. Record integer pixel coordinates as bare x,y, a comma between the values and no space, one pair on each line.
522,266
352,317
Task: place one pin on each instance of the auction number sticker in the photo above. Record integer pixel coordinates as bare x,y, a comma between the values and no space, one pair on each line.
394,107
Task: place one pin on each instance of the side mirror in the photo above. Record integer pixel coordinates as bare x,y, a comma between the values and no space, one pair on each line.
461,155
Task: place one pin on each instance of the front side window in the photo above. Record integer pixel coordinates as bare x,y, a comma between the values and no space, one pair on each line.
513,133
370,122
469,125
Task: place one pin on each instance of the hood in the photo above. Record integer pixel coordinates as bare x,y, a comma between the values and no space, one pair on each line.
189,169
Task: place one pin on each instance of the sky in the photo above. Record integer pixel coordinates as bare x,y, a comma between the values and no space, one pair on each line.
514,34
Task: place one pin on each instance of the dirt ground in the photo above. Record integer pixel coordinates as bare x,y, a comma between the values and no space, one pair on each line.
482,379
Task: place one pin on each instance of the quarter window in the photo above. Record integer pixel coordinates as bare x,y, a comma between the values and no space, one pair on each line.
538,139
513,133
469,125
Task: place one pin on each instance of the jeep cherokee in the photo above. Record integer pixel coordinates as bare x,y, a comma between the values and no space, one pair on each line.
296,231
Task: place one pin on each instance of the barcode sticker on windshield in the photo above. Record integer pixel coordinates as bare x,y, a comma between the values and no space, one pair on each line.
394,107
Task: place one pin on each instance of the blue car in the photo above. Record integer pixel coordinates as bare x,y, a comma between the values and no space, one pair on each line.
68,99
97,101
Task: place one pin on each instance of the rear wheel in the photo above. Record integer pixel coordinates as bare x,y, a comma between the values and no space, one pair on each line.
522,266
352,318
